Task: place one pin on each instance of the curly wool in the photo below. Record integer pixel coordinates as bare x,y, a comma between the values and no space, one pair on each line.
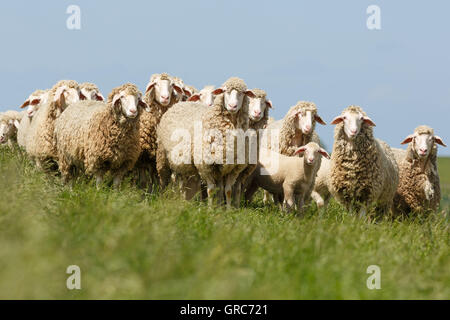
88,86
291,138
234,83
39,142
415,175
91,136
363,171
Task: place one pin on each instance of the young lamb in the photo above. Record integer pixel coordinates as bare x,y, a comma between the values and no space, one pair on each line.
363,169
159,96
34,101
419,188
288,177
39,142
9,122
229,112
90,91
98,137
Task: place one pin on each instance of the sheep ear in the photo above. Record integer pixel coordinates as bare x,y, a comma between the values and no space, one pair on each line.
16,123
82,96
99,97
408,139
249,93
144,105
218,91
369,121
150,86
319,120
269,103
35,102
300,150
59,93
116,98
194,97
337,120
177,88
324,153
186,93
439,140
26,103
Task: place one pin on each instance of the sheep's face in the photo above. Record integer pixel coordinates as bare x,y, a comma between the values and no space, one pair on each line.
305,120
423,143
233,99
91,94
129,104
7,129
311,153
206,96
34,101
257,108
352,122
163,89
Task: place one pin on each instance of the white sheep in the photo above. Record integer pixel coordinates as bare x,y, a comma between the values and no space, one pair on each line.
290,178
39,143
97,137
206,95
90,91
419,187
363,169
9,122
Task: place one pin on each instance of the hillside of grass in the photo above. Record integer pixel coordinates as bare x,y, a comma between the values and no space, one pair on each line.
129,245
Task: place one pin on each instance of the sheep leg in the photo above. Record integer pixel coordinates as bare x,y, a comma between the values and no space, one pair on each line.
230,182
317,199
289,198
191,187
98,180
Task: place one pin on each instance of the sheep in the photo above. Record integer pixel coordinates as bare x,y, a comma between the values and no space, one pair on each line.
159,96
229,112
296,128
363,169
419,188
288,177
98,137
90,91
39,143
258,112
9,123
205,95
33,102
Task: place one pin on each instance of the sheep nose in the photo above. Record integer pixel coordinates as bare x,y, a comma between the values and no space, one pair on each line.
308,127
232,106
423,150
353,131
257,113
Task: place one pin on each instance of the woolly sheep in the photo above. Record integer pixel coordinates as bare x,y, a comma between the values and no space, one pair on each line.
159,96
9,122
98,137
39,139
90,91
288,177
33,102
419,188
363,169
205,95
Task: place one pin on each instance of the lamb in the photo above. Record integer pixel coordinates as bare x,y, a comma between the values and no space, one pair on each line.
159,96
288,177
9,122
98,137
33,102
39,142
363,169
229,112
296,128
419,187
90,91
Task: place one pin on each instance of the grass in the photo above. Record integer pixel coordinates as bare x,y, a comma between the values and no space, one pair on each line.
132,246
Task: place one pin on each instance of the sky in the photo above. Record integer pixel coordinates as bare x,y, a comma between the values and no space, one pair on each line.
320,51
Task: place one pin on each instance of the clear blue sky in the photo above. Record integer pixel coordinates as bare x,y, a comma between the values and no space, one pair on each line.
319,51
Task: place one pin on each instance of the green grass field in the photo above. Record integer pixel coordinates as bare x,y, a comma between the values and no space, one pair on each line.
132,246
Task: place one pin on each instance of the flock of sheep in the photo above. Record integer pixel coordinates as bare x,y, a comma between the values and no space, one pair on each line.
74,129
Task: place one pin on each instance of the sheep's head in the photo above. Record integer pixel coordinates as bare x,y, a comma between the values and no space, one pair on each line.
234,90
353,118
36,99
206,96
126,100
89,91
258,104
311,153
162,86
64,93
305,115
423,141
8,127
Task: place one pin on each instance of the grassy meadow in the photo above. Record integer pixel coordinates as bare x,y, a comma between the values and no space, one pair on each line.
129,245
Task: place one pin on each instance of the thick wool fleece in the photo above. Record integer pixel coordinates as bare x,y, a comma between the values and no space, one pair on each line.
39,142
419,186
291,138
96,137
363,171
89,86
